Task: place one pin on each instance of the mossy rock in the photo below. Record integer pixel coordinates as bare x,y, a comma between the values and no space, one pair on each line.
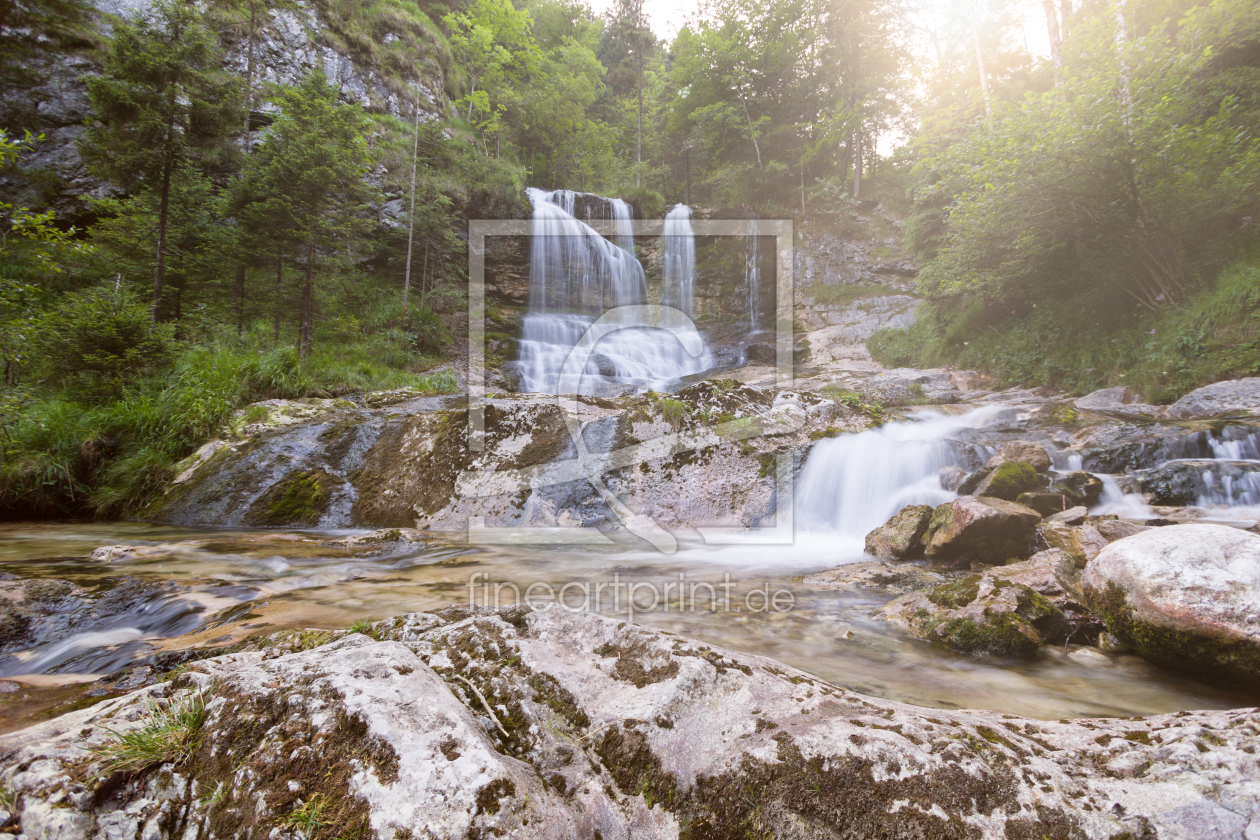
1004,620
1009,480
300,498
902,535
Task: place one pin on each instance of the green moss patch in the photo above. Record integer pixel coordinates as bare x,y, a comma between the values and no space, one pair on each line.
1010,480
300,498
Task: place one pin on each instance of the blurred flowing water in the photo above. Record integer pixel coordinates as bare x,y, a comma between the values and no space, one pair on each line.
280,580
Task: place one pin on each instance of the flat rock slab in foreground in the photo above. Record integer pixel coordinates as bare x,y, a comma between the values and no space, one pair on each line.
615,731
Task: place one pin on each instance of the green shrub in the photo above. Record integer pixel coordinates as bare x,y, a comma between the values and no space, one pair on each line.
431,334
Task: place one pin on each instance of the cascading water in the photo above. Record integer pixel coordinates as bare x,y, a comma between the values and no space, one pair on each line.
679,262
853,483
577,275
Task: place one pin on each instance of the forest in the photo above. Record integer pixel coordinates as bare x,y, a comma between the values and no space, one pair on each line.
1083,215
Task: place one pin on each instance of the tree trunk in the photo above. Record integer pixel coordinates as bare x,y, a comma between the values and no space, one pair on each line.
411,216
470,96
752,132
160,273
687,169
857,162
279,290
308,305
802,188
638,170
249,71
984,78
1122,50
1052,29
238,298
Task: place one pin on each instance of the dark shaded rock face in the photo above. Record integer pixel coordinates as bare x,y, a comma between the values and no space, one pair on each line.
542,725
902,536
1185,482
982,530
1186,597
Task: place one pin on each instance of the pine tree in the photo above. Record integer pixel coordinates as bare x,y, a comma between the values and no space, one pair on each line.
163,98
303,193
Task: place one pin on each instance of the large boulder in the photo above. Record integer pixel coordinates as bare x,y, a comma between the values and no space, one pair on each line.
981,530
1009,479
1080,542
1184,596
1218,398
555,724
980,615
902,536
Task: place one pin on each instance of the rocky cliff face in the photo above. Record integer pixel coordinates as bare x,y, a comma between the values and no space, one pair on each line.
383,62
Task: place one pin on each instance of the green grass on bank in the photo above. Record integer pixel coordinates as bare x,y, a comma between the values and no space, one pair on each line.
96,426
1095,341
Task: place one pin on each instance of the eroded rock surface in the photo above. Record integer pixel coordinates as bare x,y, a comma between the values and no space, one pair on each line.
600,728
902,536
983,530
1218,398
1184,596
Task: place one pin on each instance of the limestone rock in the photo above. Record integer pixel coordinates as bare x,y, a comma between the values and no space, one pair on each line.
952,478
1188,482
983,530
615,730
1219,397
1184,596
902,536
1073,516
980,615
1118,529
1080,542
904,386
1044,502
1033,454
1079,487
1120,400
1051,574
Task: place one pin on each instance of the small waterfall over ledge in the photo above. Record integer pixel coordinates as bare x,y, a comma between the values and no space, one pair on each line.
854,483
577,275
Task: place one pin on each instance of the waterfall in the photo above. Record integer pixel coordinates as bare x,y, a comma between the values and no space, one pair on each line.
854,483
577,275
679,263
752,281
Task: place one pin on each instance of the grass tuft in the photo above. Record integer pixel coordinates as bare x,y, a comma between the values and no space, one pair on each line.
169,736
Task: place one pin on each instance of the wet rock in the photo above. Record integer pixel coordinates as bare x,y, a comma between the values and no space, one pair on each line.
878,576
1033,454
1073,516
1009,479
1197,481
1120,400
555,724
1082,543
982,530
1184,596
1110,643
1218,398
1079,487
905,386
1118,529
1044,502
112,553
1121,447
1051,574
952,478
902,536
980,615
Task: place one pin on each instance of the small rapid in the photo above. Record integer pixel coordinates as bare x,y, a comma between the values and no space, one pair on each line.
853,483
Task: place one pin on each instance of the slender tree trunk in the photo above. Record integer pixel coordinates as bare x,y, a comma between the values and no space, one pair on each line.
279,290
159,274
470,95
752,132
687,169
802,187
1052,29
238,298
857,162
308,305
984,78
411,216
638,175
249,70
1122,49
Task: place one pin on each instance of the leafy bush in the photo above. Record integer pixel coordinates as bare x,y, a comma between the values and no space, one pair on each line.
431,334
